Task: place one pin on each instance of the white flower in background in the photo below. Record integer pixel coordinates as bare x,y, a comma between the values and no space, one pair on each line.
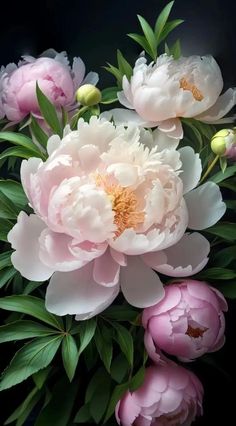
161,93
110,204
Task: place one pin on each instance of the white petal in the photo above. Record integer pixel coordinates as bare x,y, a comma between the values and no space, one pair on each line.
126,117
191,168
24,238
91,78
53,143
29,167
124,101
77,293
222,106
163,141
78,70
172,127
140,285
106,270
205,206
185,258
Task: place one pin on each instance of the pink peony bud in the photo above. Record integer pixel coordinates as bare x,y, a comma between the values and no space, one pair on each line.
55,77
187,323
170,395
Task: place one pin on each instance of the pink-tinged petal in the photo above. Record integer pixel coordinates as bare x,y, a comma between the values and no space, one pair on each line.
163,141
106,271
171,299
126,117
191,168
185,258
200,290
161,328
76,292
119,257
127,411
24,238
89,157
222,106
178,379
28,168
172,127
123,100
53,143
205,206
140,285
151,349
221,300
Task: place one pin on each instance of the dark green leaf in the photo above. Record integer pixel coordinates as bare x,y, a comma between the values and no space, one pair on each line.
5,259
119,368
5,227
48,112
41,376
121,313
24,407
109,95
231,204
14,191
219,177
38,132
224,230
21,152
31,358
31,286
225,257
161,21
23,329
83,415
94,384
86,333
228,289
6,275
33,306
8,210
217,274
99,401
137,380
70,355
20,140
103,340
115,397
125,341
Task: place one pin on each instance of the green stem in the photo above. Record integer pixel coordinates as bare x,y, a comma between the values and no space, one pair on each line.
210,167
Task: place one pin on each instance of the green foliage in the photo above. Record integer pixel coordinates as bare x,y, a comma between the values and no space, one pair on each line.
103,341
123,68
22,412
224,230
86,333
24,148
5,227
13,191
124,339
38,132
48,112
23,329
109,95
70,355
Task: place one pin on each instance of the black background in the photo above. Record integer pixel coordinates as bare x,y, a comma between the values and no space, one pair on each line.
94,30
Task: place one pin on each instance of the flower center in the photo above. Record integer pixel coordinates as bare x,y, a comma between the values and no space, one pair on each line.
195,332
185,85
124,205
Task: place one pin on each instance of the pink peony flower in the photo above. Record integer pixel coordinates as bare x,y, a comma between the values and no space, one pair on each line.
55,77
188,322
170,395
111,203
162,92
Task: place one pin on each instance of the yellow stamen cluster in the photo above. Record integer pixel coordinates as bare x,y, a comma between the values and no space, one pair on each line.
185,85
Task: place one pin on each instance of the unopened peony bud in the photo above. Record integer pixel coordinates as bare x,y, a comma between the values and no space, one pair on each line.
88,95
223,143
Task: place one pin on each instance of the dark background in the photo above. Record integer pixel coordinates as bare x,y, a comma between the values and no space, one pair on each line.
94,30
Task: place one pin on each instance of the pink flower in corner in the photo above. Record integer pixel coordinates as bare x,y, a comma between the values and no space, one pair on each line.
55,77
110,204
160,93
170,395
188,322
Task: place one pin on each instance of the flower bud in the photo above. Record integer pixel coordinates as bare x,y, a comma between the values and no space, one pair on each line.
88,95
223,143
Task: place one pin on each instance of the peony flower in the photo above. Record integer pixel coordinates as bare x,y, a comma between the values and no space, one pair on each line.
161,93
55,77
170,395
223,143
188,322
110,204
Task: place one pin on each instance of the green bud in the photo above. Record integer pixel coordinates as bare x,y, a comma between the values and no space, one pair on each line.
222,140
88,95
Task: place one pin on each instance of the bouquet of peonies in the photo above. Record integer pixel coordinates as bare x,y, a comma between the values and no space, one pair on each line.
114,257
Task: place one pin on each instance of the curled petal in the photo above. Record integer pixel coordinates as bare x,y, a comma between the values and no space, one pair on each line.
222,106
106,270
191,168
172,127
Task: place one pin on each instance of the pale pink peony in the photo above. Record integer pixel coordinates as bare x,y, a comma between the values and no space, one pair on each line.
161,93
170,395
187,323
55,77
111,203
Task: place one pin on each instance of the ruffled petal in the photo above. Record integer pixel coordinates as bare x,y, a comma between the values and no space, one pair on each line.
191,168
205,206
140,285
185,258
77,293
222,106
24,238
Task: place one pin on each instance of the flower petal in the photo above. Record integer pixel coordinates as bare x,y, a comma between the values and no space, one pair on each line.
24,238
222,106
191,168
185,258
205,206
172,127
126,117
163,141
106,270
76,292
140,285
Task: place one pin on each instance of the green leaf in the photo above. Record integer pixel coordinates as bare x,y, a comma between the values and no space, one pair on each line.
175,50
161,21
38,132
20,140
141,40
121,313
94,384
31,286
219,177
228,289
21,152
83,415
125,341
5,259
6,275
58,411
225,257
223,164
224,230
86,333
103,340
117,393
109,95
100,399
119,368
149,35
8,209
14,191
137,380
231,204
194,130
217,274
33,306
116,72
23,329
168,28
124,65
48,112
28,360
41,376
24,407
5,227
70,355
